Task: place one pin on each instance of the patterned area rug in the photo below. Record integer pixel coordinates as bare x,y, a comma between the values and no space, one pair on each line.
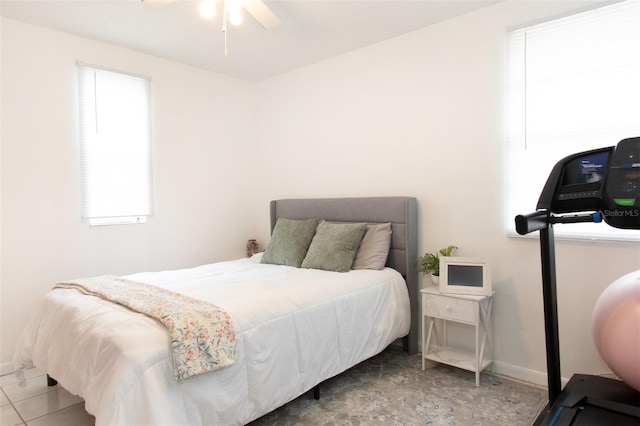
392,389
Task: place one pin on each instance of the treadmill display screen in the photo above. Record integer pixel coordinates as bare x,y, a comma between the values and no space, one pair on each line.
586,170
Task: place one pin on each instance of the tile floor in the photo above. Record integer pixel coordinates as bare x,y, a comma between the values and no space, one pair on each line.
38,404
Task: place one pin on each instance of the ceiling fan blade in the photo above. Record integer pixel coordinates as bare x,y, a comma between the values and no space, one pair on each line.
261,13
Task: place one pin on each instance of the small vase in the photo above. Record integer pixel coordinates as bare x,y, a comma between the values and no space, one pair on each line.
252,248
435,279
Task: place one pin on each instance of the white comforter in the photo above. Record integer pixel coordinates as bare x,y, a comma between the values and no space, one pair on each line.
295,328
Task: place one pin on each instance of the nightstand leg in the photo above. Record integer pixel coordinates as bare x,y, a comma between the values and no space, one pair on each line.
478,360
485,320
483,339
423,341
482,333
425,349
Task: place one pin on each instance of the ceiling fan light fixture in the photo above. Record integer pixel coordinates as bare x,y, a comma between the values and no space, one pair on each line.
232,12
208,9
233,9
235,17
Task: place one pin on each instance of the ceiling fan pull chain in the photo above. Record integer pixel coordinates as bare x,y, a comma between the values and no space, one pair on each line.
224,25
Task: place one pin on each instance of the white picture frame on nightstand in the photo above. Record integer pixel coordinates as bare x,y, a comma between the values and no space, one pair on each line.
464,275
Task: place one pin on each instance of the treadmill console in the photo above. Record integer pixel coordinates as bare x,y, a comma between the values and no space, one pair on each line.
605,180
622,189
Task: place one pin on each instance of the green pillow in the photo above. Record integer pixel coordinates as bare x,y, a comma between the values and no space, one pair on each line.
289,242
334,246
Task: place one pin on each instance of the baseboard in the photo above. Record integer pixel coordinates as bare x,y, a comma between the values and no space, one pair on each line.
523,374
6,368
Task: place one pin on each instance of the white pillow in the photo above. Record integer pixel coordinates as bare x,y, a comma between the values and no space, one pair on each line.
374,248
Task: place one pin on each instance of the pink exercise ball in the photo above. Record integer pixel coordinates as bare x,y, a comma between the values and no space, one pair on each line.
616,328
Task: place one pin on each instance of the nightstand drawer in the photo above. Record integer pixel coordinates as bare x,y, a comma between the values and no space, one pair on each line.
450,308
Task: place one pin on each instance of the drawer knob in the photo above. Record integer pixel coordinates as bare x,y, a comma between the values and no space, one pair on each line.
447,308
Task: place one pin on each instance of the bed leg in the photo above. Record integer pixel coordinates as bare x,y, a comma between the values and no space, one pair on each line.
51,381
316,392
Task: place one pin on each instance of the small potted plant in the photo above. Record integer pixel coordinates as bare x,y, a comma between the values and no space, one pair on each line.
430,263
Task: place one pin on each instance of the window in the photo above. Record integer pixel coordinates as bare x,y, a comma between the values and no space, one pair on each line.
115,146
573,85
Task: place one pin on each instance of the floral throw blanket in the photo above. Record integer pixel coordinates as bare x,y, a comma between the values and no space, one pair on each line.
202,335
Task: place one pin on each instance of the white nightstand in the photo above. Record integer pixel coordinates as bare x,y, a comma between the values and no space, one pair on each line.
437,309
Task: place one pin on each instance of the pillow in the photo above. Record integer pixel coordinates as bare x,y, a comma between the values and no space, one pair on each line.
374,248
289,242
334,246
256,258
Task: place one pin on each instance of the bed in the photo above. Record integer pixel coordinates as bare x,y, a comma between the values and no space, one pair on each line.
294,327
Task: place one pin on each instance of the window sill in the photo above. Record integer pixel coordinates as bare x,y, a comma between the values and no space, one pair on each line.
579,238
112,221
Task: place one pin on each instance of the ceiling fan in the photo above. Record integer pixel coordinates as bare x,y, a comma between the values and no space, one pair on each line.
231,12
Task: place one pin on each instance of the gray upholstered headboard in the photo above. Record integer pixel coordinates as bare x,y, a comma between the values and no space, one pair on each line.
402,212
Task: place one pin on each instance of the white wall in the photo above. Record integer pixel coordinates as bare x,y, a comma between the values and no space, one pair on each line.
422,115
203,166
1,289
418,115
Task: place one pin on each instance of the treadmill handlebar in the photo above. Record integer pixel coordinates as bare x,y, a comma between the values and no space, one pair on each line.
541,219
527,223
595,217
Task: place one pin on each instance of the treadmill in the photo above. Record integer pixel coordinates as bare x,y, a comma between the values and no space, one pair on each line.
590,186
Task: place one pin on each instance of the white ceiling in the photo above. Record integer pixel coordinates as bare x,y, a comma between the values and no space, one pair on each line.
311,30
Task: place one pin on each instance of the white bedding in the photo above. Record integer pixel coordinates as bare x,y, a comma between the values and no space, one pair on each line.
295,328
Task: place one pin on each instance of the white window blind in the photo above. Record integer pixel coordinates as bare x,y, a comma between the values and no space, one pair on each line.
573,85
115,146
